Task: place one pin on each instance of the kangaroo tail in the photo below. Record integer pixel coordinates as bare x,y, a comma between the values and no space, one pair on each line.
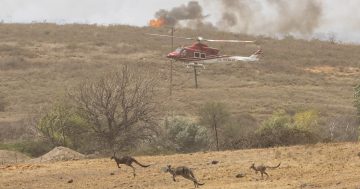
140,164
274,166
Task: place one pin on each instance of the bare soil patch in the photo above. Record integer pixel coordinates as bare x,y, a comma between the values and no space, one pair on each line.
309,166
7,157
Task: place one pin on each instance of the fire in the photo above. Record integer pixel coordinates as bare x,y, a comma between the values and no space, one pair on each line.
157,22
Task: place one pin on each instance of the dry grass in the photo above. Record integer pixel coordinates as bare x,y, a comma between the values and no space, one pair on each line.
38,62
320,166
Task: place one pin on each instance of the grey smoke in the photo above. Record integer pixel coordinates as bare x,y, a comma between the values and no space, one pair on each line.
299,17
190,12
305,18
246,16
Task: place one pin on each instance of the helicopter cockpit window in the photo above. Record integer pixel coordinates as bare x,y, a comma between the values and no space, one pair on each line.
196,54
202,55
178,50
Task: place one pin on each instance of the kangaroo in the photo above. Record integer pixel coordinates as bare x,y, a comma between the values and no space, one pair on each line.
127,160
262,169
184,172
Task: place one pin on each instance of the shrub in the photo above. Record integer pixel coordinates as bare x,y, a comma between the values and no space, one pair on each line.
306,120
282,129
238,132
183,135
61,126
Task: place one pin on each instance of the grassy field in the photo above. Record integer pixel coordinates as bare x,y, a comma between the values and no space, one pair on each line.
39,62
312,166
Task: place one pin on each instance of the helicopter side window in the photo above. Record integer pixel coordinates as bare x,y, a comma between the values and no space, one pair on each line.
202,55
196,54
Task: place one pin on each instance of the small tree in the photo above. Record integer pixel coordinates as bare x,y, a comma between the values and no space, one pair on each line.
214,115
119,107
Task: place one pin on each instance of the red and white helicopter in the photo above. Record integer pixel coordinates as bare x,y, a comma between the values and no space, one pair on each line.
199,54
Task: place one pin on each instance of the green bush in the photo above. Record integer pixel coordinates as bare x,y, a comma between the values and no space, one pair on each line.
182,135
61,126
282,129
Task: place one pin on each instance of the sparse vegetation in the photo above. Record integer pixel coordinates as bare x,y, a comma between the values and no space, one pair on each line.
357,99
2,103
214,115
33,148
39,61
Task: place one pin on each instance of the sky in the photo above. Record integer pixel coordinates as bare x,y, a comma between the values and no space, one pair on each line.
338,18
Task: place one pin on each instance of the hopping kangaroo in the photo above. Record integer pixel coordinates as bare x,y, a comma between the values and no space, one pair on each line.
184,172
262,169
127,160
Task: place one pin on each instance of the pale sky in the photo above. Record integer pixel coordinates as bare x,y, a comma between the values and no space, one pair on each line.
340,17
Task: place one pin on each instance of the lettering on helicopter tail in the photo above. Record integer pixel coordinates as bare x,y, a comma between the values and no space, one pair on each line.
227,60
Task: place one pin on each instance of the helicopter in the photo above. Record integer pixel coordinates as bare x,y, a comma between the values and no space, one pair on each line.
199,53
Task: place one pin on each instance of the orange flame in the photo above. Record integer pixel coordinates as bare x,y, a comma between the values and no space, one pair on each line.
156,23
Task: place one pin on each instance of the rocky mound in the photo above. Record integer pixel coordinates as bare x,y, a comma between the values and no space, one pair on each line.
7,157
59,154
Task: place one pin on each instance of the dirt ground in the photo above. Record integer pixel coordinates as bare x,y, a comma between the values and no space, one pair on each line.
310,166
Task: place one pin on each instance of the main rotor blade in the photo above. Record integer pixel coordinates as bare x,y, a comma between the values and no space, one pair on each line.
201,39
229,41
159,35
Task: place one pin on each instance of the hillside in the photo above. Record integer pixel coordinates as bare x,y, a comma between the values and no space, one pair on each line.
39,62
311,166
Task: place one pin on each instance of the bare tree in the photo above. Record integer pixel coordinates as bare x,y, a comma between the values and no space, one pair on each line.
119,107
213,115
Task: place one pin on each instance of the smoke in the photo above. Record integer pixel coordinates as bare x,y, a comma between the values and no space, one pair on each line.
192,13
270,16
256,17
237,13
303,16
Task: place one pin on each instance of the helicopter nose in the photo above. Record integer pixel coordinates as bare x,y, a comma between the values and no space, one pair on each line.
172,55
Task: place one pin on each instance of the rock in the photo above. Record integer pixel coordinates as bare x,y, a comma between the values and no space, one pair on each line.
112,173
214,162
240,175
70,181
